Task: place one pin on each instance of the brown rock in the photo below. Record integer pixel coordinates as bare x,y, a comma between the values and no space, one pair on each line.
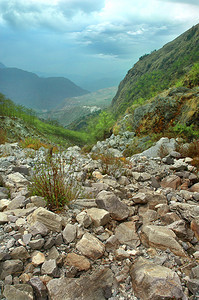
81,263
171,181
195,228
155,282
110,202
162,238
169,218
97,286
48,218
90,246
100,217
195,188
126,234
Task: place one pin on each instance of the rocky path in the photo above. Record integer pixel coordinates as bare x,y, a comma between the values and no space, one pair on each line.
134,237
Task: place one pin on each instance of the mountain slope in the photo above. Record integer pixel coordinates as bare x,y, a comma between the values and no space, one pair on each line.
28,89
157,71
71,109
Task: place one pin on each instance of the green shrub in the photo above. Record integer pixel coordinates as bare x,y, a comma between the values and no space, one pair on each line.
3,135
187,132
111,164
192,79
50,181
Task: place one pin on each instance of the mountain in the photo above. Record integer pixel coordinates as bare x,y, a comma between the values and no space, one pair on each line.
72,109
2,66
157,71
28,89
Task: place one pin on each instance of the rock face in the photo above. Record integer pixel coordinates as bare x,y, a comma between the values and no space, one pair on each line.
155,282
131,237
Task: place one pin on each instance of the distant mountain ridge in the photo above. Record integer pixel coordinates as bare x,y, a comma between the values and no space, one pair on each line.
158,70
28,89
75,108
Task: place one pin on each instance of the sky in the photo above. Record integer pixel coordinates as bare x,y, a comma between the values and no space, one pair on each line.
88,41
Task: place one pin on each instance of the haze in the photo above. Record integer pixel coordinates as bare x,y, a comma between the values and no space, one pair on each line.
92,42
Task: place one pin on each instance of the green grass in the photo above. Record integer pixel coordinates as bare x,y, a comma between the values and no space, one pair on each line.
53,133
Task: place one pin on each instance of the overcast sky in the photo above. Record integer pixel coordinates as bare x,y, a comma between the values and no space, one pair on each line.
86,40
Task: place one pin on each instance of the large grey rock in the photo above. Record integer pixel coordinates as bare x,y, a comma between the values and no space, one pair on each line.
3,218
17,179
38,201
48,218
164,144
4,203
100,217
50,268
39,288
110,202
69,233
162,238
187,211
17,202
155,282
126,234
10,267
90,246
36,244
18,292
97,286
140,198
20,253
38,228
83,219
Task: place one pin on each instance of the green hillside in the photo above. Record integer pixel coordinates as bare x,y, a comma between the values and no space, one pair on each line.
158,71
18,122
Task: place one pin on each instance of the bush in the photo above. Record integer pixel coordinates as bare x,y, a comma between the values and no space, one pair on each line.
191,151
111,165
192,79
50,181
33,143
187,132
3,135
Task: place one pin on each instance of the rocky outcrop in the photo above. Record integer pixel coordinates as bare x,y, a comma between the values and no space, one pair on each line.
133,235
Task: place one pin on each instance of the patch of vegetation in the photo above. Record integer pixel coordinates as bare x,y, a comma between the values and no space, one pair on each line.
192,78
51,132
50,181
111,165
33,143
184,131
3,135
100,127
192,150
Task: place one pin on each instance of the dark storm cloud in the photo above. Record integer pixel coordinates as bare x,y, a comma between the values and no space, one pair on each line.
87,35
